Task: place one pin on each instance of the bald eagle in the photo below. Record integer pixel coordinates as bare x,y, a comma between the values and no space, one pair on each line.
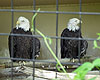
23,46
69,47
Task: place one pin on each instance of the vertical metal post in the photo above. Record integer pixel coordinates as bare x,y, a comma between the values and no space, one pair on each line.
80,10
12,20
56,30
34,41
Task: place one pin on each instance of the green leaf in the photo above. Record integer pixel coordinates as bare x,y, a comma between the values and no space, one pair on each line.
98,38
95,44
93,78
96,62
85,66
83,70
98,67
98,34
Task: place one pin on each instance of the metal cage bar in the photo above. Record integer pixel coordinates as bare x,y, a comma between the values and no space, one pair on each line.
34,7
53,37
51,12
80,17
57,30
57,12
12,22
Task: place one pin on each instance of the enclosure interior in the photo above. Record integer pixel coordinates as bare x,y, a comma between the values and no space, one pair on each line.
46,22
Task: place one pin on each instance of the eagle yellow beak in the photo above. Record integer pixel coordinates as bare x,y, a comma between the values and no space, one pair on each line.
18,22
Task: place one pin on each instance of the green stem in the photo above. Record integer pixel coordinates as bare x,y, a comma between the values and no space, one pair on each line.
32,29
45,40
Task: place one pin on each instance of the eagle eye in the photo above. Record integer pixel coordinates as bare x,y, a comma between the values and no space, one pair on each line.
75,20
22,21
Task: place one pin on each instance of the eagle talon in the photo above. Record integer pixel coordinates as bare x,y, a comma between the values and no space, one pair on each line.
22,68
16,69
72,60
19,69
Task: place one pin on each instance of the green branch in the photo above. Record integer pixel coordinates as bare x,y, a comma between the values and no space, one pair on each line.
45,40
95,42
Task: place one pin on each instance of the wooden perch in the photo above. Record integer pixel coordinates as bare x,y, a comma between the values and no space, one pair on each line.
44,74
46,64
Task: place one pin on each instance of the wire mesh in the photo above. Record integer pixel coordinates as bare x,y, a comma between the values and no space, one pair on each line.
57,12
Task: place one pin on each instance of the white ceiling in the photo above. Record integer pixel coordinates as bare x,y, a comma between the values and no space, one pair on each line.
6,3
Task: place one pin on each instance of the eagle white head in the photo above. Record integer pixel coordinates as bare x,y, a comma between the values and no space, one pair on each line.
73,24
23,23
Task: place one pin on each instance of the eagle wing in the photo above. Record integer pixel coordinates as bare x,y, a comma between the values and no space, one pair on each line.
63,44
84,46
12,44
35,47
